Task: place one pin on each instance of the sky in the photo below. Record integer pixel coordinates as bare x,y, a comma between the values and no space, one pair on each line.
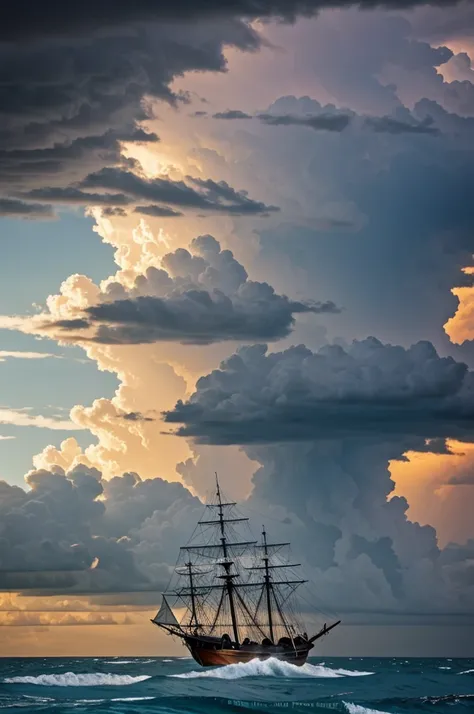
237,240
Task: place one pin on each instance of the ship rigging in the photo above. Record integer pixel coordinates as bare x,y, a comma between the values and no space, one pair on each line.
234,596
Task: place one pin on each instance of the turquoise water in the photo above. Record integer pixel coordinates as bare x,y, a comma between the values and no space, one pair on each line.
171,685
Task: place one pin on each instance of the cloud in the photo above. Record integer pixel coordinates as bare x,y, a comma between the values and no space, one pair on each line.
66,619
4,355
390,125
73,114
71,195
331,119
209,195
198,297
231,114
84,17
157,211
13,208
337,121
366,389
23,417
75,532
110,211
136,416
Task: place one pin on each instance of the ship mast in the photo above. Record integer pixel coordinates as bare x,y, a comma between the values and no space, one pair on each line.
192,594
227,564
268,586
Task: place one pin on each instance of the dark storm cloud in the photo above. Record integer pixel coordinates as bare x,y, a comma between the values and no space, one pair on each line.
157,211
58,536
368,388
13,208
61,155
21,21
66,105
336,121
201,297
209,195
71,195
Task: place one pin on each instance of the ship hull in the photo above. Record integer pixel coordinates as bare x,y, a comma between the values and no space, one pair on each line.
210,656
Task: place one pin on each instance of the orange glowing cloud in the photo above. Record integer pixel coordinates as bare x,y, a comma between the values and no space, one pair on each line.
460,327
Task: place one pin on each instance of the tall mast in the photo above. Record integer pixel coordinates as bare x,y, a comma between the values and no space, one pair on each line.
227,565
192,593
268,586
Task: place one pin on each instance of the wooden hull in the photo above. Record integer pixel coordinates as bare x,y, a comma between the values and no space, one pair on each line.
208,656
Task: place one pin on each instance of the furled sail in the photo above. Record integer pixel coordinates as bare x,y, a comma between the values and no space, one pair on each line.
165,615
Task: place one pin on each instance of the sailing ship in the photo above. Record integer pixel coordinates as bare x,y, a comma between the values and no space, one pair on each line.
231,601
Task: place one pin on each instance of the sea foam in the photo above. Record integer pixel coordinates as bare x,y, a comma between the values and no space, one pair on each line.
359,709
71,679
271,667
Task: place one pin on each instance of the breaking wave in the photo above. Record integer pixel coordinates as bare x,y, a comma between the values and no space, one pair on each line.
270,668
359,709
467,671
71,679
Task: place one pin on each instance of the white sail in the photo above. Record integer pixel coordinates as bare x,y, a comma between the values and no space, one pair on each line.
165,615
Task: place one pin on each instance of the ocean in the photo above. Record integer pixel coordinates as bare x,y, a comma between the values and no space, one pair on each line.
171,685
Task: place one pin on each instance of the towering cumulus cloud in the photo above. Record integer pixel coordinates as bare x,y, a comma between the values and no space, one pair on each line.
197,297
324,426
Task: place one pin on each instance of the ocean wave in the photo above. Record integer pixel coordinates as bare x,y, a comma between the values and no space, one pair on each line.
71,679
121,661
359,709
467,671
131,699
270,668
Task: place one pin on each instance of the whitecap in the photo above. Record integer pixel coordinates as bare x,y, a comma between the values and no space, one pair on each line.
168,660
444,667
359,709
131,699
120,661
71,679
270,668
467,671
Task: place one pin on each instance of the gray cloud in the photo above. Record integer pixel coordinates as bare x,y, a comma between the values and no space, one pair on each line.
71,195
78,533
331,119
137,416
13,208
335,121
157,211
66,104
208,196
390,125
59,537
367,388
18,22
231,114
113,211
200,297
